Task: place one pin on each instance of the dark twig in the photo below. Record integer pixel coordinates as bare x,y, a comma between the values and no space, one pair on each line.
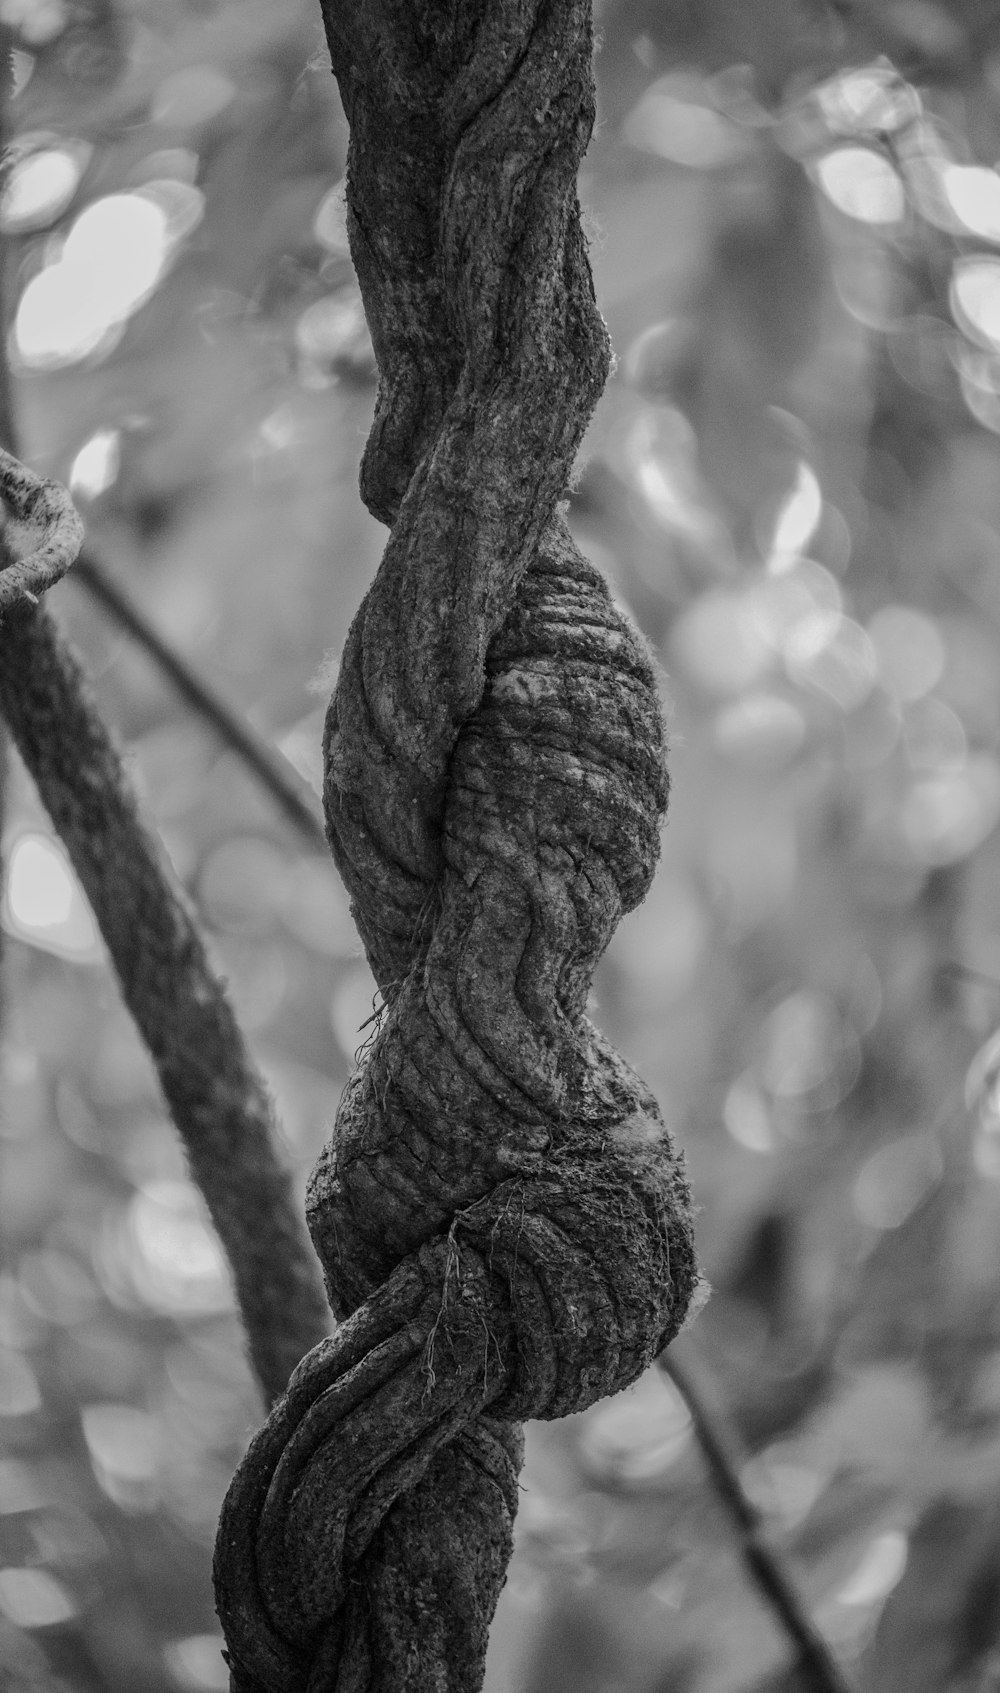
274,774
819,1669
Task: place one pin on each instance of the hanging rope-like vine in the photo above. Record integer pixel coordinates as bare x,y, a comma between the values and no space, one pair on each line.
219,1103
503,1223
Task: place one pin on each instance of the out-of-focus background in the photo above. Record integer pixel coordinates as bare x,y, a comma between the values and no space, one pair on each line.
792,479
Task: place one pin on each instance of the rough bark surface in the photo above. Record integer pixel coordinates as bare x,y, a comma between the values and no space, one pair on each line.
503,1223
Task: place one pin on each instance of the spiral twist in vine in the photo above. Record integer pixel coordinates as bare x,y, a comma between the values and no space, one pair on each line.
503,1224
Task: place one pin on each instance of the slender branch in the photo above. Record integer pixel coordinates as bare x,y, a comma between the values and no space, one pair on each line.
273,773
820,1671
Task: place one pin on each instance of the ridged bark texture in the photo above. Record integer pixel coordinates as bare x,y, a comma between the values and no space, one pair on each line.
503,1223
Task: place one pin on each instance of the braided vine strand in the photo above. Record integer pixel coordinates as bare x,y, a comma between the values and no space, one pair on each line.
503,1223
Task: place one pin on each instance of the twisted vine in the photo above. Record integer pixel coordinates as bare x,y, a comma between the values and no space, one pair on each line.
503,1224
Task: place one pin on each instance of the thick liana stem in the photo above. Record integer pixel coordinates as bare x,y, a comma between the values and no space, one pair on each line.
503,1221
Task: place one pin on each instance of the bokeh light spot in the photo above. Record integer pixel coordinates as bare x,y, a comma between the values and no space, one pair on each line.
909,651
59,320
20,1487
242,884
797,519
719,643
638,1434
182,205
975,298
836,661
333,333
330,220
19,1394
125,1447
878,1571
868,99
661,947
673,121
161,1253
192,95
746,1116
120,242
979,379
973,193
895,1179
780,603
40,186
946,816
96,465
32,1598
44,903
55,1286
761,729
196,1663
178,164
109,264
862,184
934,736
800,1044
35,21
779,1482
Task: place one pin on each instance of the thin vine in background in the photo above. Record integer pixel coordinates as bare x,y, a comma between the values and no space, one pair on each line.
767,1570
219,1103
291,794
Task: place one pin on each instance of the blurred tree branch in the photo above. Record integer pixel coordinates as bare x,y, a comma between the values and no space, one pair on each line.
819,1669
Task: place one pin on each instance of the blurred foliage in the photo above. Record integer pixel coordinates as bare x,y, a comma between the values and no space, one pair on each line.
792,479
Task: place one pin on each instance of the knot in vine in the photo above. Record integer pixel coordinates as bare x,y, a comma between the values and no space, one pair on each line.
503,1223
